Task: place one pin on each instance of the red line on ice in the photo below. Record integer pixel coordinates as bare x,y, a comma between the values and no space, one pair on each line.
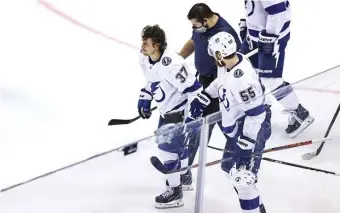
50,7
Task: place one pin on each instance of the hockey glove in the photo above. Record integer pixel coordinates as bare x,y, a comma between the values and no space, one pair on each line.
198,105
267,42
144,104
244,157
243,28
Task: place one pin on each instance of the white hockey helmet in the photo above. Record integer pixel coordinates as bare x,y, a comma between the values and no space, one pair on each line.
221,45
241,178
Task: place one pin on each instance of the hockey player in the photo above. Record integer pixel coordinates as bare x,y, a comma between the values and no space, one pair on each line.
245,117
170,83
266,27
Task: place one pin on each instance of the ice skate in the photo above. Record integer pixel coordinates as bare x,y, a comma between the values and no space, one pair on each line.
171,198
299,120
186,180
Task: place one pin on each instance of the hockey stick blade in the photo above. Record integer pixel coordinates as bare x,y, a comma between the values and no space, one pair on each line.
125,121
311,155
158,165
120,121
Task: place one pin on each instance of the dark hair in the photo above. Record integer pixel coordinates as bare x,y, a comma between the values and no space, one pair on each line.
200,11
156,34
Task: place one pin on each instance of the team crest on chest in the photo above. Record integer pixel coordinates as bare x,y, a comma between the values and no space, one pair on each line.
166,61
238,73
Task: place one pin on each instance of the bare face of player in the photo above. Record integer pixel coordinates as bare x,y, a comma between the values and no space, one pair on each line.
148,48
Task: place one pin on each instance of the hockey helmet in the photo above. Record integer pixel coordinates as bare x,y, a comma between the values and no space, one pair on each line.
221,45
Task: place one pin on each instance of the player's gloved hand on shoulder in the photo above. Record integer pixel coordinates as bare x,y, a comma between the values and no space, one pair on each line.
244,157
198,105
144,104
243,28
267,42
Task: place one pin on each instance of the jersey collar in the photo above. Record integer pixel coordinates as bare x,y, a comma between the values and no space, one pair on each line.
240,57
154,62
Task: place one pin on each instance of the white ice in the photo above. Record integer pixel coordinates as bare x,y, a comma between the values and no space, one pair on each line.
60,84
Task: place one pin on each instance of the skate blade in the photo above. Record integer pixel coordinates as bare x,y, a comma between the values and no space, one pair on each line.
173,204
306,123
187,188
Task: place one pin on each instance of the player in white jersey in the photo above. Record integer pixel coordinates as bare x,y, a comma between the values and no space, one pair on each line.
172,85
267,27
245,117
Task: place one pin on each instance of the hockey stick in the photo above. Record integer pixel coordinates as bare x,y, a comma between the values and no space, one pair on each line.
289,164
212,147
311,155
126,121
300,166
160,167
251,53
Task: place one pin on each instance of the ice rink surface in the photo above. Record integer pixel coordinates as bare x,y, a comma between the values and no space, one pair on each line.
61,82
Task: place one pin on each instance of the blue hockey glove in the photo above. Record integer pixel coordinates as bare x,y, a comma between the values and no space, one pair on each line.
244,157
267,42
243,29
198,105
144,104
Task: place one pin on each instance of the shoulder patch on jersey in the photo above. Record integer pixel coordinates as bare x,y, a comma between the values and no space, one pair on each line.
166,61
238,73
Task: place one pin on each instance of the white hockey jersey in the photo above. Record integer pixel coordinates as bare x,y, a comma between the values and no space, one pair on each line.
270,15
241,93
170,81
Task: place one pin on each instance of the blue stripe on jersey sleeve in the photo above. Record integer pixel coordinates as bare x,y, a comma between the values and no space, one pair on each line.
276,8
256,110
193,88
229,129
